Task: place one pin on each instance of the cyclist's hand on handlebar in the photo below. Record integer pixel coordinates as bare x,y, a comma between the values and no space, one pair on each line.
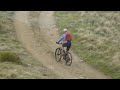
57,42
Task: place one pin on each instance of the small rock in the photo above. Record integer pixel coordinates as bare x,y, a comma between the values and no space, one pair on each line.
81,60
53,26
29,64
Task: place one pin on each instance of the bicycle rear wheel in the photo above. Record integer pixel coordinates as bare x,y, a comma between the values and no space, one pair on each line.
68,59
58,54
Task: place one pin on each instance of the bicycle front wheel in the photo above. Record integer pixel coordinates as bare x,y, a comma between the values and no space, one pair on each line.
58,54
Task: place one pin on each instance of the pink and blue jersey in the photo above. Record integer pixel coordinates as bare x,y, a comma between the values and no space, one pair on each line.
64,36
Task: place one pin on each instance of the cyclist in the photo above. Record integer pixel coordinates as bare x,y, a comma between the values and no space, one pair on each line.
66,37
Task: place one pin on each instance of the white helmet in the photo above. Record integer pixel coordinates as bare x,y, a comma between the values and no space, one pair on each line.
64,30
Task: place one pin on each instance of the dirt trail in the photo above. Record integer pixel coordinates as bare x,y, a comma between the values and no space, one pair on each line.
44,52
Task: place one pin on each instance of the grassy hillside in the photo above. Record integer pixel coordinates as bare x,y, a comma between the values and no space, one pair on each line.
15,61
96,37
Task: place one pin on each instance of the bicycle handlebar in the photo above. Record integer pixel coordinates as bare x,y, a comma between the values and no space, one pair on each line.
59,43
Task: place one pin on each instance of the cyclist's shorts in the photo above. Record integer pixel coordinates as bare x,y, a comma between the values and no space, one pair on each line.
68,43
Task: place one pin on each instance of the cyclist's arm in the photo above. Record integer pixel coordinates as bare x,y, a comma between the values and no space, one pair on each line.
61,38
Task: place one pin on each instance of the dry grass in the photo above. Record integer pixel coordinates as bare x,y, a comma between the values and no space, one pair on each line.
96,36
9,69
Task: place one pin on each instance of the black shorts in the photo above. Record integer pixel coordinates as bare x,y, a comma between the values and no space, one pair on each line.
67,44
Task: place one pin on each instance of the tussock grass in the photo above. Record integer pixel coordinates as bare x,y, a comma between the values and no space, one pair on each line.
15,61
7,56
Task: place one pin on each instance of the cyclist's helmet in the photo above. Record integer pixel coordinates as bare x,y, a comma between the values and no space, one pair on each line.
65,30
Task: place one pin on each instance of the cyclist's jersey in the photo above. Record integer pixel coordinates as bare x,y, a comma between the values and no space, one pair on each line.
66,36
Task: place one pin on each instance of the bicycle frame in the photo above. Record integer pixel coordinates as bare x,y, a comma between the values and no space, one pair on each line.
68,59
61,47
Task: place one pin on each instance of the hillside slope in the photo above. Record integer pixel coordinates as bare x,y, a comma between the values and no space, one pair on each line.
43,49
96,37
29,68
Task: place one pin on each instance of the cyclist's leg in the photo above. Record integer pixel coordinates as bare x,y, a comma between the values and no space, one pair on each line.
63,45
68,45
68,48
62,50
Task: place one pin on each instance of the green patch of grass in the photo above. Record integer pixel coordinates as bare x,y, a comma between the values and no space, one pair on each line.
7,56
15,61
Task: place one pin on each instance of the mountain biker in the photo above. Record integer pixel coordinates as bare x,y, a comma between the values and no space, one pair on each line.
66,37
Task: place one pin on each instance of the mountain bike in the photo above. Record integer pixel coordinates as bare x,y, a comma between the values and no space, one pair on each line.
65,55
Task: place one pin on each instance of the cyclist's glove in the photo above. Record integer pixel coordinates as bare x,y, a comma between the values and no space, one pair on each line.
57,42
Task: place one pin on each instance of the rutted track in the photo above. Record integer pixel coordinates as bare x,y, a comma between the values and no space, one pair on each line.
44,52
